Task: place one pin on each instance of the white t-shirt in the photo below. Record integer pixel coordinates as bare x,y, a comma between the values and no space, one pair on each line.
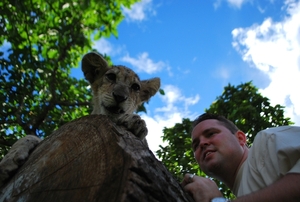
274,153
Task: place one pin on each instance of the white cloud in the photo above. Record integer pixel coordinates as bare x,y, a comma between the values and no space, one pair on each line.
274,48
234,3
173,97
103,46
176,108
139,11
106,47
261,10
144,64
222,72
217,4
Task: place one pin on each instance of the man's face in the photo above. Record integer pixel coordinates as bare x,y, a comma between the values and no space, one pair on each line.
215,147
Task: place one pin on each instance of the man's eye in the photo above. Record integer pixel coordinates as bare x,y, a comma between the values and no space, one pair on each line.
211,133
195,147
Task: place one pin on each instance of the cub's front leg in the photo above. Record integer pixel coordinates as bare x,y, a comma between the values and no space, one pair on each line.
135,124
17,156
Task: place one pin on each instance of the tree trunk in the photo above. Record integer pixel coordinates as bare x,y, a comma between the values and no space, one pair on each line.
92,159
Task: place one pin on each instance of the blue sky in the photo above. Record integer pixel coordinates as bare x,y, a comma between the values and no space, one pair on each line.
198,47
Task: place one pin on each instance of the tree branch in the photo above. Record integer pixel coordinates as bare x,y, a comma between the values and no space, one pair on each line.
41,117
70,104
8,143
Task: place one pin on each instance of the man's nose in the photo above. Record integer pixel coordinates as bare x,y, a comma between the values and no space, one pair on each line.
204,142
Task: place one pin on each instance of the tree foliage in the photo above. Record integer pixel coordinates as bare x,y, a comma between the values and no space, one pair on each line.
243,105
40,41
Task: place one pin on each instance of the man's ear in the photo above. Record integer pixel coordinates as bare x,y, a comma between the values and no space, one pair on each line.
93,65
149,88
241,136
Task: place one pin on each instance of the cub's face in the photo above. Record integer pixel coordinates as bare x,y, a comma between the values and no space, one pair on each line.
117,90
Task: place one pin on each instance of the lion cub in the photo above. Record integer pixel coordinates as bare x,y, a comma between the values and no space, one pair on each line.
117,93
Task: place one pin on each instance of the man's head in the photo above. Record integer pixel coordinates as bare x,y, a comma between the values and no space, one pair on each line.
227,123
218,145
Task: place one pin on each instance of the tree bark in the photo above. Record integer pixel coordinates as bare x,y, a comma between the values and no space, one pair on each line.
92,159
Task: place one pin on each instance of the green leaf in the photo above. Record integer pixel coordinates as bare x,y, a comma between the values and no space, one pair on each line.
161,91
48,39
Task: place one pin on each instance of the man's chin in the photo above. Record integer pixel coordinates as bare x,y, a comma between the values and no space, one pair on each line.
210,168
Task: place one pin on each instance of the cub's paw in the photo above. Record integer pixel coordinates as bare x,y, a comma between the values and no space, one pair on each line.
134,124
17,156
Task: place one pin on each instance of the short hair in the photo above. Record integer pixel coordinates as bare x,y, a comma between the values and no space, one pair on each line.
224,121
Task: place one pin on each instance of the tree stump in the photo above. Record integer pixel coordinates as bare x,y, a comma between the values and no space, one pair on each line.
92,159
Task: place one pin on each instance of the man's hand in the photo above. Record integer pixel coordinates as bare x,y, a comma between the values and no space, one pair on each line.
17,156
201,189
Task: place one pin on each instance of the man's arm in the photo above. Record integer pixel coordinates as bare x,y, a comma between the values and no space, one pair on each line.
285,189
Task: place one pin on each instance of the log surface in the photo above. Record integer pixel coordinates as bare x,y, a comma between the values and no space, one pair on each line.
92,159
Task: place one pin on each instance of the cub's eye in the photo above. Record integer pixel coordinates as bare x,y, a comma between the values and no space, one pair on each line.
111,76
135,87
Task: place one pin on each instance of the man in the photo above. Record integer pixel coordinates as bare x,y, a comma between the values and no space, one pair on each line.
269,171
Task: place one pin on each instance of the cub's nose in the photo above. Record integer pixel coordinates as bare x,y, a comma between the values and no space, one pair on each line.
119,98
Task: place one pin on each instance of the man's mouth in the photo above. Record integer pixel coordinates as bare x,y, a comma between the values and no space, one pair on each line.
115,110
206,154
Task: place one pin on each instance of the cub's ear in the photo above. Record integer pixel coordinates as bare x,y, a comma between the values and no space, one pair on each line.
93,65
149,88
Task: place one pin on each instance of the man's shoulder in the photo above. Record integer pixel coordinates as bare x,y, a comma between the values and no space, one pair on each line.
279,136
281,130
